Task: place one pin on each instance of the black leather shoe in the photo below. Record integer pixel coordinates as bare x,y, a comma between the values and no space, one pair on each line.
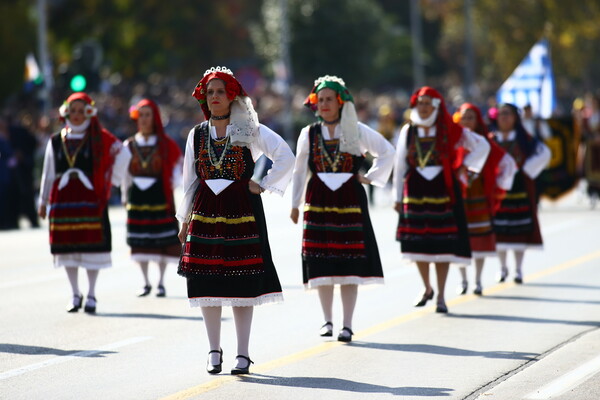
518,280
441,308
478,290
215,369
327,329
90,305
242,371
345,337
145,291
462,289
75,304
426,297
161,292
503,274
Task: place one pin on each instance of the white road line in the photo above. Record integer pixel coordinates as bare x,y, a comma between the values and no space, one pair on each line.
62,359
567,381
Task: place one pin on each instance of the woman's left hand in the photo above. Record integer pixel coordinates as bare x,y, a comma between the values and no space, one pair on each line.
254,187
364,180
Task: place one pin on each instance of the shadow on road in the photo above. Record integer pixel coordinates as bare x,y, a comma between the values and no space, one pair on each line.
542,299
446,351
344,385
564,285
38,350
150,316
512,318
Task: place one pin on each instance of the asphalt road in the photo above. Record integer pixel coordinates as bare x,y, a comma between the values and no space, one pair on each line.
539,340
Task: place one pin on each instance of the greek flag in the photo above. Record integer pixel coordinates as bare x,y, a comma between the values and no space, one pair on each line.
532,82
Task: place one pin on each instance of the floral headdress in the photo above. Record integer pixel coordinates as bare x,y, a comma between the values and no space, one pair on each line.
90,107
243,119
349,141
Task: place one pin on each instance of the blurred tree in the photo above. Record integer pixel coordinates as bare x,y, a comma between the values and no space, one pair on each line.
178,37
504,33
353,39
17,38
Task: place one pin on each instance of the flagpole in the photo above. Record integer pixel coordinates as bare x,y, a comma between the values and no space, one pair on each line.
469,54
46,91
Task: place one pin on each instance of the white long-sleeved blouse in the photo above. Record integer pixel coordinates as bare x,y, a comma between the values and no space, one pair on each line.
120,166
267,142
475,144
146,182
536,162
370,141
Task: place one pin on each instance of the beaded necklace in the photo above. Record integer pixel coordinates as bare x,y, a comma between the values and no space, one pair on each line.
211,151
325,152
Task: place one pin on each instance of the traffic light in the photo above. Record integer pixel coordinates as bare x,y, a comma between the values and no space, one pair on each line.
78,83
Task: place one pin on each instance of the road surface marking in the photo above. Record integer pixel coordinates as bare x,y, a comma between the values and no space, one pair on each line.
568,381
62,359
321,348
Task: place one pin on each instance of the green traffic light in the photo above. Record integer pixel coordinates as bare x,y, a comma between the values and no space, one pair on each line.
78,83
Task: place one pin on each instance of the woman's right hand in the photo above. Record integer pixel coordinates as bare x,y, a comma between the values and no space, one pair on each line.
183,232
398,206
294,215
42,211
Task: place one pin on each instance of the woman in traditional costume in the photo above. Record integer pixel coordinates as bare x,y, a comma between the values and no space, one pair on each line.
226,256
81,164
154,171
516,223
338,245
483,195
428,174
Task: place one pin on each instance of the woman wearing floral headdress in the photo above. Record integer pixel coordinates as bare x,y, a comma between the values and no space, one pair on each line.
483,195
428,170
81,164
338,245
148,194
226,256
516,224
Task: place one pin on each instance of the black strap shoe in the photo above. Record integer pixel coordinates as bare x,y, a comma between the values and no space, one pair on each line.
327,329
75,304
242,371
90,305
215,369
345,335
145,291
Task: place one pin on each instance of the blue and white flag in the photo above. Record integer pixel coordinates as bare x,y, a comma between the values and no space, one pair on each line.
532,82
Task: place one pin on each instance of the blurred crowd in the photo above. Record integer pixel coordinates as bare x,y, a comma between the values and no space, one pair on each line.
24,130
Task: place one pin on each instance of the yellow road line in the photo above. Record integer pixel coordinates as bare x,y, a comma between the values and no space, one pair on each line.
323,347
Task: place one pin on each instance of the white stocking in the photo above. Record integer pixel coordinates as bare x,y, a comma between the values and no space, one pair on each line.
349,295
72,275
502,257
519,255
478,270
92,277
144,268
212,321
243,323
326,297
162,267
